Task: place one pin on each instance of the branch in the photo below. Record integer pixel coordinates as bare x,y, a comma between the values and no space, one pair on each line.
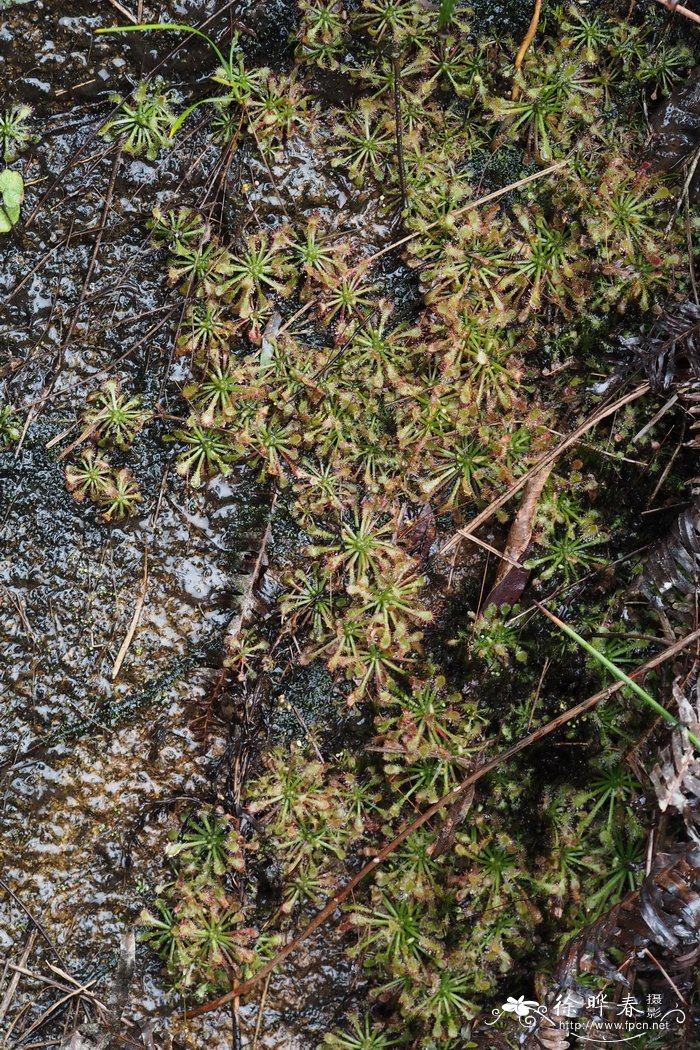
527,39
676,9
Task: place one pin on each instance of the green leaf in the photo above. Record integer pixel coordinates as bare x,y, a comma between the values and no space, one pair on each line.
11,195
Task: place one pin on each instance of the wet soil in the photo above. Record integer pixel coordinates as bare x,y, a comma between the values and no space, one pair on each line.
96,767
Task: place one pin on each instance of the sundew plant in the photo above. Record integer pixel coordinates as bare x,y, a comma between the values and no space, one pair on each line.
387,369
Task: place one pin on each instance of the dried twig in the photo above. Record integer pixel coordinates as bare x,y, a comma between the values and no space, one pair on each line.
462,211
447,800
502,555
550,457
261,1011
81,990
247,605
123,11
676,9
138,609
20,904
527,41
399,130
14,981
36,408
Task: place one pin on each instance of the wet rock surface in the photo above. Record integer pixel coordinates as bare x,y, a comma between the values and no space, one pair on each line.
675,130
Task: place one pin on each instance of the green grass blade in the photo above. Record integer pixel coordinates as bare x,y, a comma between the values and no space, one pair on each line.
447,10
190,109
171,27
618,673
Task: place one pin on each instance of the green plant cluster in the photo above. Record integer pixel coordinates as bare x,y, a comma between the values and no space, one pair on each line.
142,122
444,922
198,921
112,419
16,134
10,427
309,368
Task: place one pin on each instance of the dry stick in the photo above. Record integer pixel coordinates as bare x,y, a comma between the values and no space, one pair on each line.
455,815
261,1011
14,981
645,951
692,168
236,1018
32,919
81,991
551,457
123,11
666,471
37,407
691,248
503,555
676,9
113,364
83,436
446,800
529,36
47,255
58,438
43,979
654,419
138,609
295,316
245,610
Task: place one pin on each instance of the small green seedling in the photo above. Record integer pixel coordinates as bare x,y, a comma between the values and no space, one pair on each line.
15,132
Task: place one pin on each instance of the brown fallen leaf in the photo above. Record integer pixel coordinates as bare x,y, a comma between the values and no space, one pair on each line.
512,580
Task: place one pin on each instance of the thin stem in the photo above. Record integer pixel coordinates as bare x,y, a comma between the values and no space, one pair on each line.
399,130
530,35
676,9
462,211
170,27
